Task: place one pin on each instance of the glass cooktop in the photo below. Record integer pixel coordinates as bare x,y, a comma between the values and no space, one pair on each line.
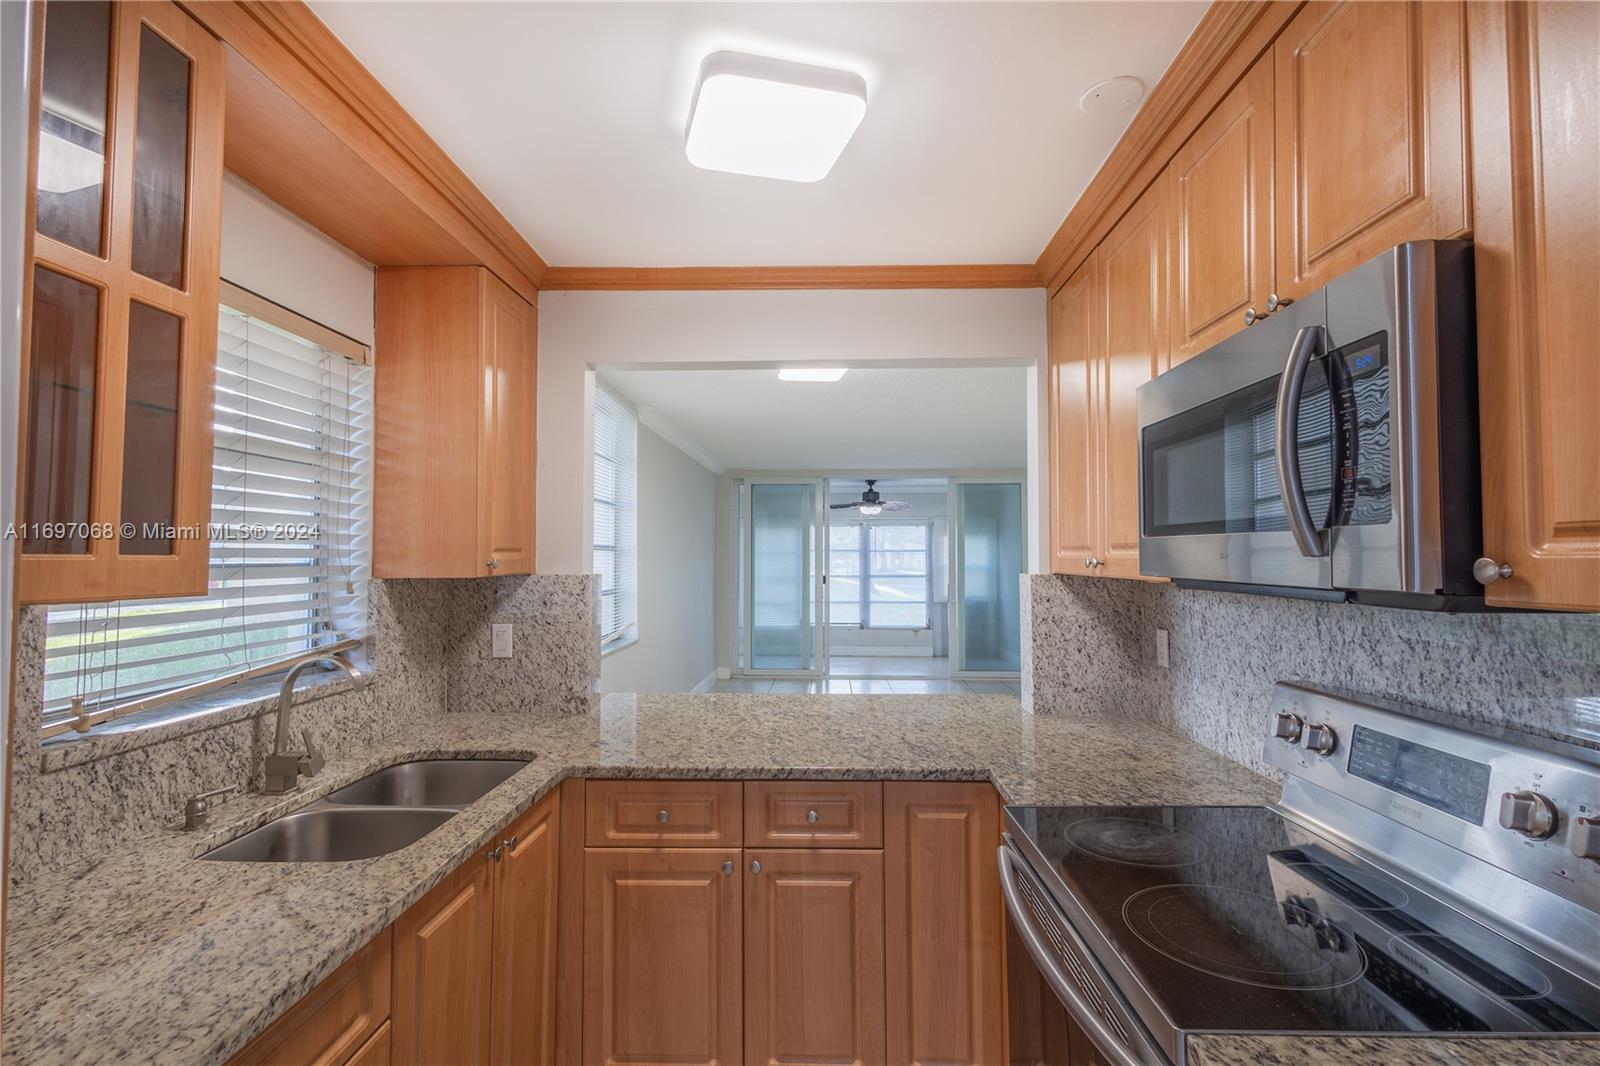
1237,918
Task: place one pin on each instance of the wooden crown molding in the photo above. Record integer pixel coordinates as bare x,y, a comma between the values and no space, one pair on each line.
1229,37
977,276
313,129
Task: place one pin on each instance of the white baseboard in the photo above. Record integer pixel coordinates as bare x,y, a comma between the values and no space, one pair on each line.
723,673
706,682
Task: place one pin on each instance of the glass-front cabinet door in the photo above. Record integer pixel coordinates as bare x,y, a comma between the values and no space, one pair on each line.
121,318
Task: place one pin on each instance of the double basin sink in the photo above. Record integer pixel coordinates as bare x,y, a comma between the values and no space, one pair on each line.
380,813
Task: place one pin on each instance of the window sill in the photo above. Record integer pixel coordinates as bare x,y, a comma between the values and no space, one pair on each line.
189,717
618,644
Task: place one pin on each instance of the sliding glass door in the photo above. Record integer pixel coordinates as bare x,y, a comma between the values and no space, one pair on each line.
987,537
785,612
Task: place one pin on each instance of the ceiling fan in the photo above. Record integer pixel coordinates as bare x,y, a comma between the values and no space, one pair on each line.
872,502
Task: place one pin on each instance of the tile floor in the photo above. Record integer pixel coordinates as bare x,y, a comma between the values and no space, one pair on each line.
877,674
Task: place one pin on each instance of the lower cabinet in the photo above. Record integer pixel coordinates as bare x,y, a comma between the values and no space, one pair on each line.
474,960
813,956
340,1021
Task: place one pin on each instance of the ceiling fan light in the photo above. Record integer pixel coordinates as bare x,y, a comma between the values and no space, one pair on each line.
871,508
811,373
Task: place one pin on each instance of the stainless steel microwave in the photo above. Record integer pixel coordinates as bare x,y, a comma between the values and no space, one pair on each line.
1330,449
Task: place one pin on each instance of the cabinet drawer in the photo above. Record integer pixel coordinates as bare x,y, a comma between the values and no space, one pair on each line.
335,1021
813,814
681,814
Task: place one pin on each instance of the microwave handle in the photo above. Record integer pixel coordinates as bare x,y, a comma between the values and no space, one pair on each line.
1112,1049
1312,542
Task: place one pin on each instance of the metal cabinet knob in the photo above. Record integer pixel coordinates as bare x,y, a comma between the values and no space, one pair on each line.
1487,571
662,816
755,866
493,564
1274,301
727,867
811,816
1251,317
509,844
495,854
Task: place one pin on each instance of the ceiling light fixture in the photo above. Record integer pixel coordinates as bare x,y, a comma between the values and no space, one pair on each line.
811,373
772,118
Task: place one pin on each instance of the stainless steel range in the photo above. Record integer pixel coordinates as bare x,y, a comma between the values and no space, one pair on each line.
1414,877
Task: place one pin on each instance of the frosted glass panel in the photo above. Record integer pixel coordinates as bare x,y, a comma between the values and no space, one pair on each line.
781,550
989,557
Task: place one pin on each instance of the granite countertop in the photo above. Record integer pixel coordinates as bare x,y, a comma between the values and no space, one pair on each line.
150,955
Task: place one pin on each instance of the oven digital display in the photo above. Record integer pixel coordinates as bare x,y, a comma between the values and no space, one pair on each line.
1445,782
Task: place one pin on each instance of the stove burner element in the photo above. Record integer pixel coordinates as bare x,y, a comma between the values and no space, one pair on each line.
1134,841
1197,925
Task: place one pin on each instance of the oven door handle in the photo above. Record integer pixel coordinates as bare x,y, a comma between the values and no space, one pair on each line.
1309,342
1114,1050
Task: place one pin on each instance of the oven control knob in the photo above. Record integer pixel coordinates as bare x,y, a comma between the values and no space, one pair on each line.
1528,813
1321,739
1584,838
1287,727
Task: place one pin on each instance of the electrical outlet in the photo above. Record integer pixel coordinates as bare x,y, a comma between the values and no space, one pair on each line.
1163,656
501,638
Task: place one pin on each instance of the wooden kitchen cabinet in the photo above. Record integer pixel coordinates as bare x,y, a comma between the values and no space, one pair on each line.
456,400
1536,185
1219,189
337,1021
814,956
120,305
674,814
944,935
443,950
663,964
1108,335
1371,142
475,959
813,814
523,984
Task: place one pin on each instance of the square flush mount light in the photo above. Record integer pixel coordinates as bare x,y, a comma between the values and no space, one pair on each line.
811,373
772,118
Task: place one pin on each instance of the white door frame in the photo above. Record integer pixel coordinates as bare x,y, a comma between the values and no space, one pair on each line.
816,606
953,507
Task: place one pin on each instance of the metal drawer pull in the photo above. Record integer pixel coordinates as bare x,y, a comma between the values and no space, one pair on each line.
811,816
1487,571
509,844
662,816
1115,1051
727,867
755,866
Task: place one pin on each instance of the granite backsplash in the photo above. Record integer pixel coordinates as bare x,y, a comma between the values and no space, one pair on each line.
427,651
1090,643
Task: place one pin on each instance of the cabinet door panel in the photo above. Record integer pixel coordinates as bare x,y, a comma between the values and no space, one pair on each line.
336,1021
826,814
662,962
1537,259
524,981
1220,195
1074,452
510,369
814,979
1133,299
442,952
1371,143
943,939
74,124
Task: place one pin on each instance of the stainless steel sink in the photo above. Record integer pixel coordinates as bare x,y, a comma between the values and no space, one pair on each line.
333,834
429,783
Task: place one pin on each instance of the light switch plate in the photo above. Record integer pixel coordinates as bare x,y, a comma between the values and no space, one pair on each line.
501,638
1163,656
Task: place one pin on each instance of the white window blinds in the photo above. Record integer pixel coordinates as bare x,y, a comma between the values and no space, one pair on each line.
290,533
616,516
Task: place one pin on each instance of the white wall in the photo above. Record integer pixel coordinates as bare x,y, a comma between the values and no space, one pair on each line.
677,604
579,331
281,256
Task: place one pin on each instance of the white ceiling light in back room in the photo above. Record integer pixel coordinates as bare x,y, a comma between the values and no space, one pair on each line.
811,373
772,118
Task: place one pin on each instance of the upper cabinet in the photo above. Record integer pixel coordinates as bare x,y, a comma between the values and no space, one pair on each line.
1219,194
1536,185
457,372
1371,135
121,305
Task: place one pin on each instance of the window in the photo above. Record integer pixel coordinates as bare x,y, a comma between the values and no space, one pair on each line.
878,575
616,517
290,527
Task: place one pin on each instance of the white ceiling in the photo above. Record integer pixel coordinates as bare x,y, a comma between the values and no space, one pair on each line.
873,419
571,118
